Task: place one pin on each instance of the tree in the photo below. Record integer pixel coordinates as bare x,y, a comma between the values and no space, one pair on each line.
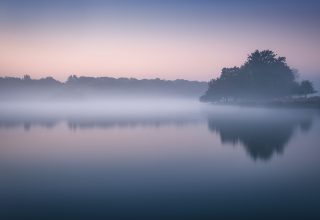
263,76
26,77
306,88
72,79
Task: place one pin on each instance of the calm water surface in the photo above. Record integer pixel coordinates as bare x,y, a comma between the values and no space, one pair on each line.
202,162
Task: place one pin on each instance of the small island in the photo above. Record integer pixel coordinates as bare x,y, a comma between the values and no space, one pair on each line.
264,79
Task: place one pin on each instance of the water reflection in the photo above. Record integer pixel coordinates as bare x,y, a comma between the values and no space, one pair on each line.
102,122
262,132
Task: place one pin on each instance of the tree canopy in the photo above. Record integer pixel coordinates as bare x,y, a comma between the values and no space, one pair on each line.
263,76
305,88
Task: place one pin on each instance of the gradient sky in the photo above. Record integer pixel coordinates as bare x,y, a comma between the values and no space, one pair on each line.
169,39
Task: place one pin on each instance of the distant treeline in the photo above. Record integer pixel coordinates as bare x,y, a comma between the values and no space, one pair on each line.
83,88
264,76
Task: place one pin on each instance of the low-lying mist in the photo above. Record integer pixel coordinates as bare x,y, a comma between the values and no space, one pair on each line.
101,113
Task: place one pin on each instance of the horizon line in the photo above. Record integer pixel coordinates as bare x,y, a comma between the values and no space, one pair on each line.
103,76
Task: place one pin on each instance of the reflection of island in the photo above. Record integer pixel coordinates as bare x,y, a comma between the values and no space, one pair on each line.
263,132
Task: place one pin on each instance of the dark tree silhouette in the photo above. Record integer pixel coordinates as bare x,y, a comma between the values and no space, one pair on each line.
88,88
263,76
306,88
26,77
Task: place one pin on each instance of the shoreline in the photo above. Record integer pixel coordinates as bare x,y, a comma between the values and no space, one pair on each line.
311,102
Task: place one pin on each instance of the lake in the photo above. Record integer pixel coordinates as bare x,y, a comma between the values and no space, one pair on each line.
148,161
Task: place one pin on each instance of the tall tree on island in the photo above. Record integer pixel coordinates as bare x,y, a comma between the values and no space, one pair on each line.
264,76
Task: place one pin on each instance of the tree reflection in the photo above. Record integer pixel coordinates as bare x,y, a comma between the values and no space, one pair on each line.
262,132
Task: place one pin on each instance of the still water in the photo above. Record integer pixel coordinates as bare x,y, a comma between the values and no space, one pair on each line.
199,162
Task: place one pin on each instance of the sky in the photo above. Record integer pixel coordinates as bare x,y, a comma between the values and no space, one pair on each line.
167,39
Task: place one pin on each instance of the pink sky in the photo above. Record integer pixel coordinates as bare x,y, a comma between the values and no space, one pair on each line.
161,43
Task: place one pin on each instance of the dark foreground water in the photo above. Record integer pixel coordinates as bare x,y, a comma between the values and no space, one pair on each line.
202,162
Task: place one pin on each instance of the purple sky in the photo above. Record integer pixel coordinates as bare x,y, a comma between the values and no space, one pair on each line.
147,39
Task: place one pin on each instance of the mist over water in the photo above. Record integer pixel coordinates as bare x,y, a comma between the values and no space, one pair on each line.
170,158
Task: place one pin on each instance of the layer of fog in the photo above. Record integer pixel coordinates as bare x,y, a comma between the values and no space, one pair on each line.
120,107
114,112
131,112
